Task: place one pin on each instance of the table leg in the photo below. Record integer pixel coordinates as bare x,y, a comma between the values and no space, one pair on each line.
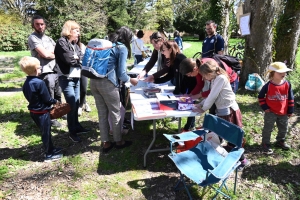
151,144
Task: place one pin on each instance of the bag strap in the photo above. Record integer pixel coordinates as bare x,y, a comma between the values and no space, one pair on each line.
137,45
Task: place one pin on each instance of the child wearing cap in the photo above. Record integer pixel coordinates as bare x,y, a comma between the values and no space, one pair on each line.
40,101
277,100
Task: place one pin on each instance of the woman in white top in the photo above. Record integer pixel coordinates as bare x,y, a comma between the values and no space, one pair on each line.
138,46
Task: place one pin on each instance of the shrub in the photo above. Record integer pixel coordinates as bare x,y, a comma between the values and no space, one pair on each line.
14,37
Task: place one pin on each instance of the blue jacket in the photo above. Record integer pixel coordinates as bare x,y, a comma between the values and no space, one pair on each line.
37,94
117,61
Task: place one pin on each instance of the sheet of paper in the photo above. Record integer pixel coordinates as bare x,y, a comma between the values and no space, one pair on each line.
244,24
75,72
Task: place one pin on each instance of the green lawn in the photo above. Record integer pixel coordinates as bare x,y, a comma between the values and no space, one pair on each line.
86,173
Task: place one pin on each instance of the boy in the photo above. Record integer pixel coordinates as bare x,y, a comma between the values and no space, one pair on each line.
277,100
40,101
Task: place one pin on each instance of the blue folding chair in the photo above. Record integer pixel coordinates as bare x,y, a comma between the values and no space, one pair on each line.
203,164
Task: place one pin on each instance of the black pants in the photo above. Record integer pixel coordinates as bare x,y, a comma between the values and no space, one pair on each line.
190,123
44,123
83,90
51,80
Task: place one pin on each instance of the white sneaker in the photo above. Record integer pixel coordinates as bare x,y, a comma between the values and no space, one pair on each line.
79,111
87,108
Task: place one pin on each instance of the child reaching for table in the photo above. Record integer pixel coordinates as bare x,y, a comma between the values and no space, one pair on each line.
222,95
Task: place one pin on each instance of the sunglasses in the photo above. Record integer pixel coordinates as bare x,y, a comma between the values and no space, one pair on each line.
176,137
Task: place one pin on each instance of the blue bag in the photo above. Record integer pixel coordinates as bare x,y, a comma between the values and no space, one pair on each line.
95,59
254,82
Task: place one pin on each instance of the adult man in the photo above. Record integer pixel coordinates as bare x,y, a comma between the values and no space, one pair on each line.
42,48
213,43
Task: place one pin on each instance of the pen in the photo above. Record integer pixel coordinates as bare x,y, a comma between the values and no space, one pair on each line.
169,96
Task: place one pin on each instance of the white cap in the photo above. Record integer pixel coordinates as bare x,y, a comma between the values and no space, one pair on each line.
278,67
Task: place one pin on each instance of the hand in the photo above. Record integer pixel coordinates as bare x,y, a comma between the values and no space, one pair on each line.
141,75
197,108
134,81
149,79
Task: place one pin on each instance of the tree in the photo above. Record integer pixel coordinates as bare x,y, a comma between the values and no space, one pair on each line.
19,7
258,45
140,16
287,33
164,14
88,14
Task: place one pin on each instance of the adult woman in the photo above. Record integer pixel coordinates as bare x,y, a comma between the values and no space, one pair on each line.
156,40
173,58
106,91
67,56
138,47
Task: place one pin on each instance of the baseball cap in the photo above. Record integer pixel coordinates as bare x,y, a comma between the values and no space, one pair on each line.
279,67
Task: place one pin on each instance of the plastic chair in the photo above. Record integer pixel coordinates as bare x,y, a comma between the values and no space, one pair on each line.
203,164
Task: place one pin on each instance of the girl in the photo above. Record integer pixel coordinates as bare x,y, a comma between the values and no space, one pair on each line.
222,95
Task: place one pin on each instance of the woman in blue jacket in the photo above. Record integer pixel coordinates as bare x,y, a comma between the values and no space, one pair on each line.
106,90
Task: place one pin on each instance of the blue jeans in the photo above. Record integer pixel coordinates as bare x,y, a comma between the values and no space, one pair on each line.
235,85
139,58
71,89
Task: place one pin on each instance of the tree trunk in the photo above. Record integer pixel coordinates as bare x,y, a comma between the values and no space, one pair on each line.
287,33
225,23
258,45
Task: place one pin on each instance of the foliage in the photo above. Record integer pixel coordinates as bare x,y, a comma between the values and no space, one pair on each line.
19,7
164,15
8,18
196,18
86,13
13,37
140,16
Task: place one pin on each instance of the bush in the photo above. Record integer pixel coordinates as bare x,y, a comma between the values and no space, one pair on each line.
14,37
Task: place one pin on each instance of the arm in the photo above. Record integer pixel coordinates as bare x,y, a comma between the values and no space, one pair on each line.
290,110
219,48
44,93
65,54
262,97
215,91
152,61
35,44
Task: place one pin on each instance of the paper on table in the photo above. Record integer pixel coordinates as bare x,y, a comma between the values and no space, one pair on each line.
75,72
147,109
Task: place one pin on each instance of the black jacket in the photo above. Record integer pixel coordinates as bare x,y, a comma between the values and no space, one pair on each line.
182,83
64,55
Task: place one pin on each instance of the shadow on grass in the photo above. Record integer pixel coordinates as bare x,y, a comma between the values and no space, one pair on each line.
284,175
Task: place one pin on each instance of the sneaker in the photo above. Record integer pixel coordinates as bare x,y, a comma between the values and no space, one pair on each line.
74,137
55,123
245,163
267,148
56,150
64,117
79,111
282,144
82,130
52,157
87,108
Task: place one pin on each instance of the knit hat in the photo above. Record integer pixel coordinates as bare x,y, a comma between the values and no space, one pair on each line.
278,67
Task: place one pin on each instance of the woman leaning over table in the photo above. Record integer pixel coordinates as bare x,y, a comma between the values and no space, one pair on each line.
68,56
106,90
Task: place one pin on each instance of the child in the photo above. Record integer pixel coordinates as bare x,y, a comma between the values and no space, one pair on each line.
40,101
222,95
277,100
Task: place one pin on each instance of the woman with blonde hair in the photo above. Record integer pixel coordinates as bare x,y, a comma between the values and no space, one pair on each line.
68,56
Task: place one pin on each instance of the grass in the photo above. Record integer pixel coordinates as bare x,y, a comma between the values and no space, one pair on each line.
86,173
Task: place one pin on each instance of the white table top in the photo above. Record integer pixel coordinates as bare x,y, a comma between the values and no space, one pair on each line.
140,66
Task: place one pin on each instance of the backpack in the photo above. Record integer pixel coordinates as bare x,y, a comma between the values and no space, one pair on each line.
95,59
232,62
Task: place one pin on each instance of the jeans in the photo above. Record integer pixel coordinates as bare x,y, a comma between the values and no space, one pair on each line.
44,124
83,90
235,85
139,58
71,90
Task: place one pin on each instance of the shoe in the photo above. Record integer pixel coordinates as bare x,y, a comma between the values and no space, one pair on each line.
64,117
244,164
126,121
79,111
87,108
82,130
282,144
55,123
52,157
74,137
56,150
267,148
125,131
106,150
126,144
